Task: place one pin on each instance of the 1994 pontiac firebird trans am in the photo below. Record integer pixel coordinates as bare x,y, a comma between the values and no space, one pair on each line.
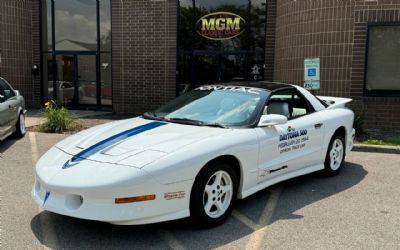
196,155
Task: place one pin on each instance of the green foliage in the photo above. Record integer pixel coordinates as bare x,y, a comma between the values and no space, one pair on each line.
393,141
358,125
57,120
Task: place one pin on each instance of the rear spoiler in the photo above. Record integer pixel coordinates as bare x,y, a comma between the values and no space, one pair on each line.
334,102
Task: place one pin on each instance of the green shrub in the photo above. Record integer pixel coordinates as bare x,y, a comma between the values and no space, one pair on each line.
57,119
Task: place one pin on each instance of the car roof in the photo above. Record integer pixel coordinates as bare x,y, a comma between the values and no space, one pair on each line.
267,85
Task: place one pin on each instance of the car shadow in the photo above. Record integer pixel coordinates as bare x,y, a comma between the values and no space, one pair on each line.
6,144
62,232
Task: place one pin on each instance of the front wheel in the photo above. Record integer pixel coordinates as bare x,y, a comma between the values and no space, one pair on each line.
335,156
20,129
213,195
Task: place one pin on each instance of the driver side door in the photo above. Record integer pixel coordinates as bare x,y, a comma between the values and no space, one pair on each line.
292,146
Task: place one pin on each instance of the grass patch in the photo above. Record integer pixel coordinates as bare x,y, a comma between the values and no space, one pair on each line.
393,141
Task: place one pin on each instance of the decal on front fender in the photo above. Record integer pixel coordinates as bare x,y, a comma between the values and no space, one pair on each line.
174,195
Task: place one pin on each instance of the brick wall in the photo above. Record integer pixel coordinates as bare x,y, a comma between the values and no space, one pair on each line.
336,32
19,46
270,40
143,54
378,112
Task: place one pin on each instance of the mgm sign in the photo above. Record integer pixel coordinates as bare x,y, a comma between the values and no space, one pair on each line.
220,25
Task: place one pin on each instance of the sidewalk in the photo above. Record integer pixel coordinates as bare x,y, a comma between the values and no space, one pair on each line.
33,116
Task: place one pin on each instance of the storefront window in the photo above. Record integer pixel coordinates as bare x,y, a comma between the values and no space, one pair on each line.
75,24
383,63
106,87
220,41
105,25
77,71
47,29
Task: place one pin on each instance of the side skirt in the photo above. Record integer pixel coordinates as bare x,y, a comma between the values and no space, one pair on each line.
280,178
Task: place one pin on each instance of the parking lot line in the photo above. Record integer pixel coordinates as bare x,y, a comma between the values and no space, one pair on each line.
48,235
243,218
171,240
256,238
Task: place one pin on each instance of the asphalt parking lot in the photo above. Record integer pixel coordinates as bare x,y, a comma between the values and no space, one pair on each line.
359,209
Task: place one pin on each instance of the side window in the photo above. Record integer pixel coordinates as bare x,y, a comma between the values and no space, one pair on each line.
6,90
288,103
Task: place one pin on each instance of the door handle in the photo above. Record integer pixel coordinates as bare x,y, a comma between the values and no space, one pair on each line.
318,125
9,106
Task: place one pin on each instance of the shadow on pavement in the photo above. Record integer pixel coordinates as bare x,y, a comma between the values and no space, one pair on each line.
300,192
6,144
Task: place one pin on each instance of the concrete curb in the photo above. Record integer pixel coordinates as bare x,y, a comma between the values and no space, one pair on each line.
376,148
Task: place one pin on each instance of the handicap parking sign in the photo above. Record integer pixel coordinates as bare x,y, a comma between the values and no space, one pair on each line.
312,72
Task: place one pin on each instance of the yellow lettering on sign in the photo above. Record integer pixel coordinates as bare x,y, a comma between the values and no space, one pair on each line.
233,24
208,24
220,23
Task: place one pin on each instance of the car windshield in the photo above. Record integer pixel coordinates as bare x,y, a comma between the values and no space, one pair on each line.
214,106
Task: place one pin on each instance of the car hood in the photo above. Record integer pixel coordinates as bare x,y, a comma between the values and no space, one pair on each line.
133,142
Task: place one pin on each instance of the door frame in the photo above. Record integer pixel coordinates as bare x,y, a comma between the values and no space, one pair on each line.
75,54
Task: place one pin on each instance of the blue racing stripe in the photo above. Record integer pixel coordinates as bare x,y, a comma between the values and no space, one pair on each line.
110,141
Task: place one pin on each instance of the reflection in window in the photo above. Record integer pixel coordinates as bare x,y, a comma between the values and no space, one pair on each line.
105,69
46,26
47,76
203,60
73,73
105,25
75,24
383,72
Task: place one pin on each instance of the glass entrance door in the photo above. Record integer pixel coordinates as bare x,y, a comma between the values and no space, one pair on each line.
86,80
76,80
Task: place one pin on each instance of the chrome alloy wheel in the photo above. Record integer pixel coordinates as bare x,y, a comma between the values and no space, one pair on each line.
336,154
22,128
217,194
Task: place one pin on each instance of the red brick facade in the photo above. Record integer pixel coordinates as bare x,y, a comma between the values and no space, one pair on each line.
19,47
336,32
143,54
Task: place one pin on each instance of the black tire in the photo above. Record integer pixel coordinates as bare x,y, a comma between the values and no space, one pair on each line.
20,131
334,160
199,195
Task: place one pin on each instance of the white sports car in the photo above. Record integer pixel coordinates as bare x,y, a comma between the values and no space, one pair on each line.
196,155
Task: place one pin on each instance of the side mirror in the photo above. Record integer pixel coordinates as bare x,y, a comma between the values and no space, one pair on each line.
269,120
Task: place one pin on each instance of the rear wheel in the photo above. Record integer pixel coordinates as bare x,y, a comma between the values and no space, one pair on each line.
335,155
213,194
20,129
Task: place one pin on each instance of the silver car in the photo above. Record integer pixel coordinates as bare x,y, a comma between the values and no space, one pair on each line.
12,111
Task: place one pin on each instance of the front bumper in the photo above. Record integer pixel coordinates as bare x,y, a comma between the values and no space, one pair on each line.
98,203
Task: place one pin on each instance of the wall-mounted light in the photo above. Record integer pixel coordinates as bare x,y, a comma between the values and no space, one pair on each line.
35,70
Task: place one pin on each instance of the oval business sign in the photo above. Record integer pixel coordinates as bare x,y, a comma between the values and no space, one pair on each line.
220,25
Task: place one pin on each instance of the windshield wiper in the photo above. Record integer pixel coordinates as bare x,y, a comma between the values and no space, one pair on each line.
214,124
151,116
197,122
186,121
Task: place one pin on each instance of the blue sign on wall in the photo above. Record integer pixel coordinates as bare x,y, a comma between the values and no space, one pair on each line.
312,72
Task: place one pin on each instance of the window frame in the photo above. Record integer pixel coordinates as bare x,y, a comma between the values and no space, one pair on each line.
293,91
6,98
384,93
